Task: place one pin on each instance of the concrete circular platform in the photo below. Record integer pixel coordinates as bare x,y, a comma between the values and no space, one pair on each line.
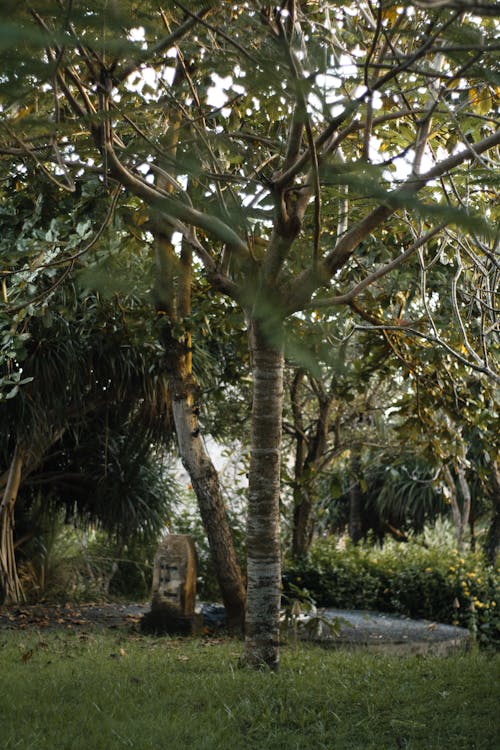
382,632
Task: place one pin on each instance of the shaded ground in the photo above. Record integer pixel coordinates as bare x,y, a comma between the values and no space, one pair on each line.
71,616
369,630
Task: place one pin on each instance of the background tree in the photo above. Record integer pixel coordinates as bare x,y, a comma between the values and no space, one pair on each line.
88,367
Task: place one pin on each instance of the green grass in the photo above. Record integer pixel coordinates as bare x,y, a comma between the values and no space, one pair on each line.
98,692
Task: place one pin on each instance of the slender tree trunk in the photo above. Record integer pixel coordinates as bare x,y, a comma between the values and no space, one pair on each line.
263,528
301,503
174,302
493,538
173,291
205,481
11,584
302,526
355,526
460,516
310,449
466,501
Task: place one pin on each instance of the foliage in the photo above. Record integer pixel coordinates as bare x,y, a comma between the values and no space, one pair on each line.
110,692
431,582
129,566
398,494
63,562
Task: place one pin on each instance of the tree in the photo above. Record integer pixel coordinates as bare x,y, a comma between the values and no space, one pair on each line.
336,406
87,368
346,140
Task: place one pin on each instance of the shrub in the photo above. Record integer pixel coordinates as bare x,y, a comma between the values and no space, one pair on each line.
429,582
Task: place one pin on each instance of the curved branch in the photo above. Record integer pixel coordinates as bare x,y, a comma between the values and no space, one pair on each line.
163,45
173,209
342,299
307,282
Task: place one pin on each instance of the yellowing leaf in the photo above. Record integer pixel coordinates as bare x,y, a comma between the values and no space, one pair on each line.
390,14
481,100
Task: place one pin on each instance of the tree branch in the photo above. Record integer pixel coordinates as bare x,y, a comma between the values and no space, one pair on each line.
173,210
347,297
301,289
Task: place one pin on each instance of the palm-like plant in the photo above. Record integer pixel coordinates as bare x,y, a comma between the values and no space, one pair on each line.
86,422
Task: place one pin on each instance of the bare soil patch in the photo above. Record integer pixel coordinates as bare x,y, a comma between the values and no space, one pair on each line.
71,616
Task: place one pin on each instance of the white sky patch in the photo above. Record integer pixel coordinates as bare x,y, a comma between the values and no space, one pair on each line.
149,76
376,100
359,91
337,109
402,164
177,240
216,96
330,85
137,34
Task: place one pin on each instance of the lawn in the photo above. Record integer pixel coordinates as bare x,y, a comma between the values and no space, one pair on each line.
103,692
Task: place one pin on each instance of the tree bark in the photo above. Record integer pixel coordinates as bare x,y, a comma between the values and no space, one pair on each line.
205,482
174,303
302,532
11,585
466,501
301,502
310,449
355,526
460,516
263,526
493,537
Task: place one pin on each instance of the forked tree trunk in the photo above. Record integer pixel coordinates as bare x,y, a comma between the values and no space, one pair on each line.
263,525
11,585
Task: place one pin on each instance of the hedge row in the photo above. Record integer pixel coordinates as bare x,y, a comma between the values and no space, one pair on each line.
442,585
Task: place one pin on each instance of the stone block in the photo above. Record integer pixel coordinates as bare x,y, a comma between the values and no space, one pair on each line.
174,575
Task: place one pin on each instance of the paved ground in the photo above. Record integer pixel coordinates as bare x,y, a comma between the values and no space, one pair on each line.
388,633
335,628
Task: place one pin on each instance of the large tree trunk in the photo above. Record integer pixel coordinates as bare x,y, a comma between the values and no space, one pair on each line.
11,585
263,527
